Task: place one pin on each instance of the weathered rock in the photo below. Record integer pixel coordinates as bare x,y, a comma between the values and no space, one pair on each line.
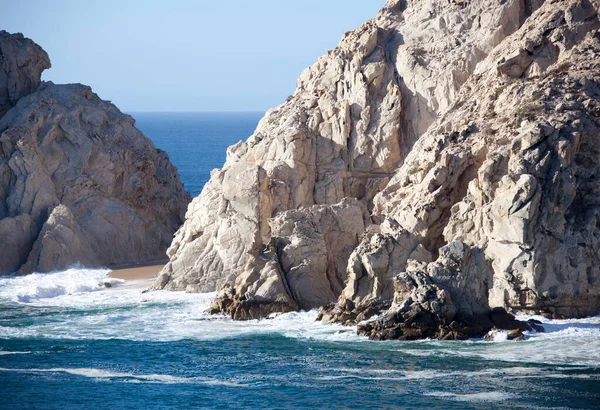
445,299
21,65
353,118
80,184
61,242
383,253
303,267
510,169
471,133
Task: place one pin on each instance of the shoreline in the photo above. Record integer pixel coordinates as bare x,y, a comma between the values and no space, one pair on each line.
140,275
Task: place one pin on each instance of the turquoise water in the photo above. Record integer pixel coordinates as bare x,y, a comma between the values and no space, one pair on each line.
68,342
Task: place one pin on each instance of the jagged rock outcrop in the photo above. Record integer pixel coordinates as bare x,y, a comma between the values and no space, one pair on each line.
473,123
21,65
78,182
511,170
382,254
303,267
351,121
445,299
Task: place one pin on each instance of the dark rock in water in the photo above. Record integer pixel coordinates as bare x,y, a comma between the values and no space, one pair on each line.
107,285
349,315
536,325
505,321
240,308
516,334
445,299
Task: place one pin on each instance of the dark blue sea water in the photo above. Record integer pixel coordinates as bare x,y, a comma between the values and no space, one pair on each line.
196,141
66,342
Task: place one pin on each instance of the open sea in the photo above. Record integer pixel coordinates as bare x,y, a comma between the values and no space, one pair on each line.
68,342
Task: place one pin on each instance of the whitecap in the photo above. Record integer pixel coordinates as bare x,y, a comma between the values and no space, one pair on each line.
37,287
473,397
126,377
6,353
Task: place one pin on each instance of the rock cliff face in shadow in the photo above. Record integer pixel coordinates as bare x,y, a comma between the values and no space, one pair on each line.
472,123
79,184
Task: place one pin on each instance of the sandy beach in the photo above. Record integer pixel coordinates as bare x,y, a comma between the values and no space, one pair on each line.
137,276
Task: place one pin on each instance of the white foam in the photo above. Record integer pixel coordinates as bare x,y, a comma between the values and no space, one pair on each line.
4,353
498,336
126,377
473,397
37,286
81,310
127,313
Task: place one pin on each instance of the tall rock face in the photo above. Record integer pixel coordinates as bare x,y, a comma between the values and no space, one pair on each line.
79,184
450,122
348,126
512,168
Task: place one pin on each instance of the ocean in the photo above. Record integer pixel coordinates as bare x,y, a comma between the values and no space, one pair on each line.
67,342
196,141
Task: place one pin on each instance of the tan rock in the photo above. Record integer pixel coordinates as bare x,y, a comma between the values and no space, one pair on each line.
80,184
305,264
354,116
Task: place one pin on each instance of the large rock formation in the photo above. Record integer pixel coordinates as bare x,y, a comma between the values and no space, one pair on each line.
352,119
78,182
511,168
21,65
472,122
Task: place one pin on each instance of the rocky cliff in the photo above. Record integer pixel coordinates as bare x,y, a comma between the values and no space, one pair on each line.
473,123
78,182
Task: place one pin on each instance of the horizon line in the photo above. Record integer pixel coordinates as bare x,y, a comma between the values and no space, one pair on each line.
191,112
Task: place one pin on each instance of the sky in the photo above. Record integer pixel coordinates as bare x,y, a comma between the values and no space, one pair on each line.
185,55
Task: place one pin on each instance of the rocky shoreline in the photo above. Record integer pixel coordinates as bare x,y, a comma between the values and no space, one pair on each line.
430,176
434,174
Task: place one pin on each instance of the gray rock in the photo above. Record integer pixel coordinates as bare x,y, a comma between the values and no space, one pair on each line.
21,65
350,123
468,130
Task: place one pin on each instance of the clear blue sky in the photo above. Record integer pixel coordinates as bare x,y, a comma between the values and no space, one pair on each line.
185,55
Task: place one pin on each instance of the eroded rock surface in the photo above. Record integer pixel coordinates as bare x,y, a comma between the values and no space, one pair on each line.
78,182
353,118
512,169
303,267
473,123
446,299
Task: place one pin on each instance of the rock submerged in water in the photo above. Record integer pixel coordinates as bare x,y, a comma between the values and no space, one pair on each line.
469,133
79,184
